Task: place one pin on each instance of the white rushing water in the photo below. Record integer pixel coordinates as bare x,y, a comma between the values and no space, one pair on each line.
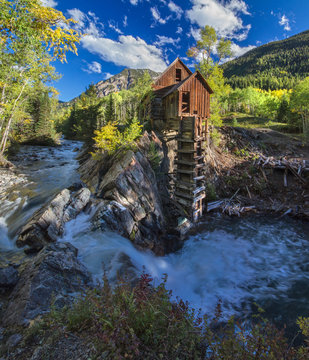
48,170
236,262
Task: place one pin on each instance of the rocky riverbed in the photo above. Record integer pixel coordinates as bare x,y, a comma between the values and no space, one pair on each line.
115,213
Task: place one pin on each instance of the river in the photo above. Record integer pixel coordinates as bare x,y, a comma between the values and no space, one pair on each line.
239,261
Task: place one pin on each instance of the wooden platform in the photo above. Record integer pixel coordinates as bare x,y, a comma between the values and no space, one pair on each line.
189,160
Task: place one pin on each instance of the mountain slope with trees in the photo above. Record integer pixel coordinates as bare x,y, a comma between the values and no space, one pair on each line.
276,65
125,80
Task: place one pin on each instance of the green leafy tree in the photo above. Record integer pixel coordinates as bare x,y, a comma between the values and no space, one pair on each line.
300,103
207,47
31,37
110,139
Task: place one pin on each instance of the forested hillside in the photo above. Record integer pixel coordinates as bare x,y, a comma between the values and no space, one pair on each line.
276,65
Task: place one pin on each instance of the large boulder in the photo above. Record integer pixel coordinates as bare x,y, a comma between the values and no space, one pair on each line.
47,224
131,203
54,275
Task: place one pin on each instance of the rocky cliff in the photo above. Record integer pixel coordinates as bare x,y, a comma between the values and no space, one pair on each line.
122,81
127,196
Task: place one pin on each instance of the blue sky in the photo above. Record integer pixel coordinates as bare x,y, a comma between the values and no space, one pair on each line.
152,33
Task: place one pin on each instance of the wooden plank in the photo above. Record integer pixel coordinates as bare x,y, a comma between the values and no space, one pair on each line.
184,195
186,151
186,203
198,166
189,172
199,138
197,178
200,197
188,163
199,189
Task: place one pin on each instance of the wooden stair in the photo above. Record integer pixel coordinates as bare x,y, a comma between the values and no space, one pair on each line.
189,172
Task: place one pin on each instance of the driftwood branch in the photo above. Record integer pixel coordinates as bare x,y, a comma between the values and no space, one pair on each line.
298,168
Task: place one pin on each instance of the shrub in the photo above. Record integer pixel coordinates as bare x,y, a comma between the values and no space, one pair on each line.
144,323
110,139
154,157
215,137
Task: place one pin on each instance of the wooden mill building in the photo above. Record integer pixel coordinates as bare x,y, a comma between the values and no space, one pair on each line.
181,104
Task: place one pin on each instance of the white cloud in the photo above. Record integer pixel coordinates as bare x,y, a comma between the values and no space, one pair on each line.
285,22
78,16
238,50
179,30
107,75
156,15
114,26
224,17
127,51
238,6
134,2
125,21
88,24
163,40
175,9
49,3
94,67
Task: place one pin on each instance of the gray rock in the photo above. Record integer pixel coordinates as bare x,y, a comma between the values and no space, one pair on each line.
131,202
54,273
47,224
8,277
14,340
65,348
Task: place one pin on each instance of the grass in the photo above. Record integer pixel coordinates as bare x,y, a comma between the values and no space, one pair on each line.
253,122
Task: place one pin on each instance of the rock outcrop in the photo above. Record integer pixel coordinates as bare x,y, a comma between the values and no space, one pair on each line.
53,275
46,225
131,201
8,278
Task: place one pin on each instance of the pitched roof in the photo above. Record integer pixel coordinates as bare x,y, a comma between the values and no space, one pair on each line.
173,63
181,83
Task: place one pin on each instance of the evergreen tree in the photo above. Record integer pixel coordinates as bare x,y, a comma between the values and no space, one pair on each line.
283,110
110,110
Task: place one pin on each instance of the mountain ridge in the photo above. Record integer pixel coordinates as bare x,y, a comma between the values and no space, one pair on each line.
124,80
278,64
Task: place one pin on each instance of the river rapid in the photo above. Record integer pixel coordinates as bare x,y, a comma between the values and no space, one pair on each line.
238,261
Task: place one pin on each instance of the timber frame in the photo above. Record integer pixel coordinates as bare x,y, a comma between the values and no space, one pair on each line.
180,105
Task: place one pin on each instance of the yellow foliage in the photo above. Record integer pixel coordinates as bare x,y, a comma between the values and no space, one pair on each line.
275,93
109,138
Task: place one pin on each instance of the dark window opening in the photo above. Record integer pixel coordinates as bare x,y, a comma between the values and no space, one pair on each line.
185,102
178,75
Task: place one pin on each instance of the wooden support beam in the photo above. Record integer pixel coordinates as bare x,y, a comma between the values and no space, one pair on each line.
186,151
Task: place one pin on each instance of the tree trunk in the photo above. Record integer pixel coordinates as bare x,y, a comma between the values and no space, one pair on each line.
8,126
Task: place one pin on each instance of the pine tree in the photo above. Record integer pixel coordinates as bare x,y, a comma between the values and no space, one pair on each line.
110,115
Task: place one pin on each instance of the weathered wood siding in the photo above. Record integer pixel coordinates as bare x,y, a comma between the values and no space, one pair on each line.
169,77
199,98
170,106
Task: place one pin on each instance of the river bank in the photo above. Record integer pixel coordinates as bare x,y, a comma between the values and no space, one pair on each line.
223,258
